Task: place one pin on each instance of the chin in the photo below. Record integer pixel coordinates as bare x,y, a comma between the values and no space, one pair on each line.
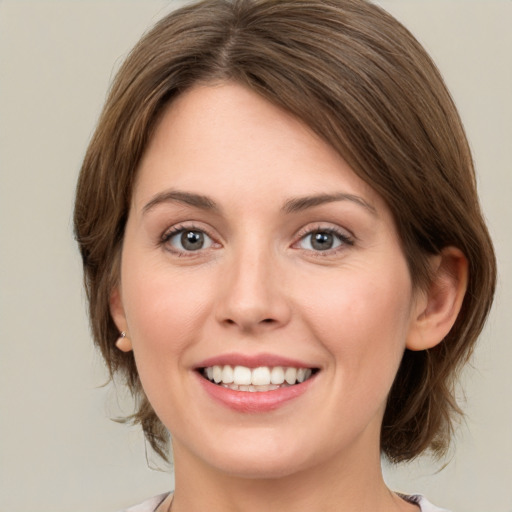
257,461
268,469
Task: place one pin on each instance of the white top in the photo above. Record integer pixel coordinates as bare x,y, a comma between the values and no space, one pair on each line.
152,504
422,502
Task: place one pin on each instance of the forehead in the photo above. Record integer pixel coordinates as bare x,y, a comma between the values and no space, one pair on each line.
226,140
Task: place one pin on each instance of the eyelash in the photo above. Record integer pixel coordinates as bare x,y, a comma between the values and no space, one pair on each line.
178,229
343,238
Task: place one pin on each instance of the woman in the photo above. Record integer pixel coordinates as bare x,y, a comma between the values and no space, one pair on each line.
284,252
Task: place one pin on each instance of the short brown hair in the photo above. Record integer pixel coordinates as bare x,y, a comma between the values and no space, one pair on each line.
363,83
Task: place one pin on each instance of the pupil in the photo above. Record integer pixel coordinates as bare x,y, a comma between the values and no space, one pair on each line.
322,241
192,240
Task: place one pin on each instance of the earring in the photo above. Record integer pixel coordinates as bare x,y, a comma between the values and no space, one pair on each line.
123,343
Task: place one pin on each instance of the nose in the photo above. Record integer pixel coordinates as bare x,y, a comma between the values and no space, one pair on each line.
253,296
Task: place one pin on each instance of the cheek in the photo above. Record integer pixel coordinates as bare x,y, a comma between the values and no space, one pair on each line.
363,320
163,308
166,316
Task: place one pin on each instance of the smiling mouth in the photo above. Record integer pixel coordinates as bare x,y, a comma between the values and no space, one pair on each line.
262,378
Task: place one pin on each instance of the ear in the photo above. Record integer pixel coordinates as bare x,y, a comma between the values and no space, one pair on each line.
123,343
437,307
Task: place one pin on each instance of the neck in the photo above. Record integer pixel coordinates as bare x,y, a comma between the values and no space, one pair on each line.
342,483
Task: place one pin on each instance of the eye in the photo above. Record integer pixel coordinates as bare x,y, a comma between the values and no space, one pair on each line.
187,240
323,240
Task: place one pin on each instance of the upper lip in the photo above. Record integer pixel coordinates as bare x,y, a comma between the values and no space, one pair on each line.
253,361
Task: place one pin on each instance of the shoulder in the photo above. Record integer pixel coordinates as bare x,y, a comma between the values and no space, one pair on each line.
149,505
422,502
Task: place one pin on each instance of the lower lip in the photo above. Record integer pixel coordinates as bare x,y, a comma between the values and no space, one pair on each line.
257,401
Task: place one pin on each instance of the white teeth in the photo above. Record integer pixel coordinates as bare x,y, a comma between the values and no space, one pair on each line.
263,378
227,374
217,373
290,375
242,376
235,387
277,375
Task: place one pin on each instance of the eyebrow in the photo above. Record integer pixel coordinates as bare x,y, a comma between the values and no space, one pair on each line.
299,204
293,205
187,198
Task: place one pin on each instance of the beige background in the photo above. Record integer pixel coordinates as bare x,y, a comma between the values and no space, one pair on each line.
58,450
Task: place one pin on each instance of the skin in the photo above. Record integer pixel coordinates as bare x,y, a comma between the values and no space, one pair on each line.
259,286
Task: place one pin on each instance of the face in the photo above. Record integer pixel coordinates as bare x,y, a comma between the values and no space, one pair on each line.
263,289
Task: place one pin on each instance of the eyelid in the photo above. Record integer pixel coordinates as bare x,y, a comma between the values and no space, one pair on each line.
345,236
176,229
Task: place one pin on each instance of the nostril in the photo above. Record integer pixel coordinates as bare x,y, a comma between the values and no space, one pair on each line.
249,325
